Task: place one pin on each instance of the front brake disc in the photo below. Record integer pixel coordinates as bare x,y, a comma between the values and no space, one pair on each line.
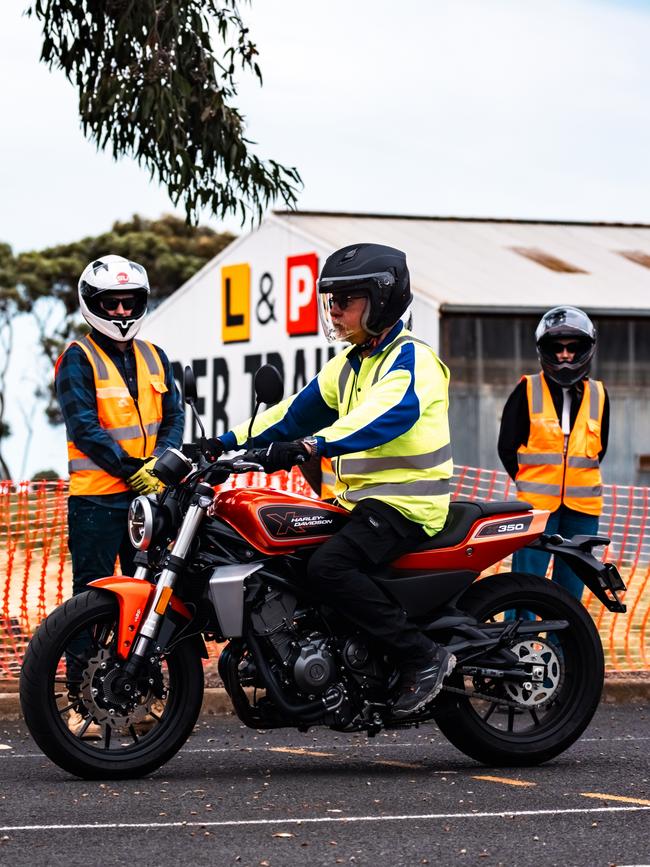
103,705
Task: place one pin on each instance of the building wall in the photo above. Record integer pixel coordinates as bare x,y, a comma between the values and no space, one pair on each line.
273,319
274,279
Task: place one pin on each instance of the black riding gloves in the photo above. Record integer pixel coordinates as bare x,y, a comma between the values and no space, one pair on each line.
213,449
283,456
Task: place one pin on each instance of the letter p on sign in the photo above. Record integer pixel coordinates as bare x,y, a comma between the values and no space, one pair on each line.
302,304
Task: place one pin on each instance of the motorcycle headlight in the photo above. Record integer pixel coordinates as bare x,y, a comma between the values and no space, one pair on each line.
140,523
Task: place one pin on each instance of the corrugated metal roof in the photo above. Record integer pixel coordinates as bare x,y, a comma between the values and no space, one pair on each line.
469,263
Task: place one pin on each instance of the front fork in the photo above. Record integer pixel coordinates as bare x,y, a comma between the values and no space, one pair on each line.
145,643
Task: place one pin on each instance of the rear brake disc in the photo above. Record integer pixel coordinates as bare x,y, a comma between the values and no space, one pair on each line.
543,662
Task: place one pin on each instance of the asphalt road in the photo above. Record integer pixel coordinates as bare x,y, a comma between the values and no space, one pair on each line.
239,797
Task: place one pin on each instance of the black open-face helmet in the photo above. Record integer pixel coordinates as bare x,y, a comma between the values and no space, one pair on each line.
565,323
372,270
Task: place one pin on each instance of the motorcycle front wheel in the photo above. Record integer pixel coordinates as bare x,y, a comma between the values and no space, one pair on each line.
503,722
77,716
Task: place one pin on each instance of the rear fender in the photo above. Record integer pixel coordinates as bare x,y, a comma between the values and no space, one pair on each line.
134,597
602,579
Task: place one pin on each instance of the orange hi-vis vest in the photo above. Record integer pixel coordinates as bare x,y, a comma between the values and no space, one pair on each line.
554,470
132,424
328,479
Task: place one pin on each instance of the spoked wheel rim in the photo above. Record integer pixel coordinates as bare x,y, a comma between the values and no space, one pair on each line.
522,711
95,715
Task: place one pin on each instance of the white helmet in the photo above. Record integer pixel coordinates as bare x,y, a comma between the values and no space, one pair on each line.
100,280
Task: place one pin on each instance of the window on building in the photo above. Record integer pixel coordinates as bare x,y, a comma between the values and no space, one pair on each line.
636,256
547,260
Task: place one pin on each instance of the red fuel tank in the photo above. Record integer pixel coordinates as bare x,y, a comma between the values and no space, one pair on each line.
275,522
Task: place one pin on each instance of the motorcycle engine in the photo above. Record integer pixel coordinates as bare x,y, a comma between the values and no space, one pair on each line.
362,665
306,655
314,669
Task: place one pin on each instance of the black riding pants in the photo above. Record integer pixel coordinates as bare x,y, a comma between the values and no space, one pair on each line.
339,572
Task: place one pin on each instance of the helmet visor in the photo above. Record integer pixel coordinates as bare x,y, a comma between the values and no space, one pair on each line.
335,327
553,346
119,305
342,291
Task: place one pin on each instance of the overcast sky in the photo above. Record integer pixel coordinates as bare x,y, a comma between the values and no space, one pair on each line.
444,107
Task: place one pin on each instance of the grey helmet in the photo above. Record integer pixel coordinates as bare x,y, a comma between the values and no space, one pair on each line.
565,322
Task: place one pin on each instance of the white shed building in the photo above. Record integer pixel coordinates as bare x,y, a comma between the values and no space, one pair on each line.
479,288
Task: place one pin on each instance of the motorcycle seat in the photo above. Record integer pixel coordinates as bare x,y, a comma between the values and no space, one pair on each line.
463,514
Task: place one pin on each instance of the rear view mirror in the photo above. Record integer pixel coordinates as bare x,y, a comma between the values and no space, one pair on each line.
189,385
268,383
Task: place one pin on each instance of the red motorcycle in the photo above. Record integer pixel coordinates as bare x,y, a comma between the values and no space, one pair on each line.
230,567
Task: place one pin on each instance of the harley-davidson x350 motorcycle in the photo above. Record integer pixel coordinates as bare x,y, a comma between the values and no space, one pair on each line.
229,566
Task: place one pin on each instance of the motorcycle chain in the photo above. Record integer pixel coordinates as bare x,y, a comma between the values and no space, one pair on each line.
491,698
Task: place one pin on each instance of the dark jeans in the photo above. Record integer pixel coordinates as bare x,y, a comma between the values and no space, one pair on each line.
567,523
338,573
96,535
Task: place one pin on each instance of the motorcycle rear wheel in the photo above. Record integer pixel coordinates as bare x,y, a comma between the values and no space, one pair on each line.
80,635
530,735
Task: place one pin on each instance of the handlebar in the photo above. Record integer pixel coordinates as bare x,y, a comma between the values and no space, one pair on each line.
248,462
216,472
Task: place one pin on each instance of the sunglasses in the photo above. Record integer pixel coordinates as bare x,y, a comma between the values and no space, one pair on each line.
344,301
557,348
110,305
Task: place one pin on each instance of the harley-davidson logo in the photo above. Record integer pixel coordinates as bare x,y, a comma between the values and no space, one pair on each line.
298,522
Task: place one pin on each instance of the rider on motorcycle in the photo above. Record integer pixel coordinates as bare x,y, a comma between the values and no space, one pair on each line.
379,411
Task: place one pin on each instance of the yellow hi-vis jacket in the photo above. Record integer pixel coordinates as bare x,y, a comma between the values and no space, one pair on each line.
552,473
132,425
383,422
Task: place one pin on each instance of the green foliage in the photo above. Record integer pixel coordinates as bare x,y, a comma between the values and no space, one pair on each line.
152,86
45,476
170,250
12,298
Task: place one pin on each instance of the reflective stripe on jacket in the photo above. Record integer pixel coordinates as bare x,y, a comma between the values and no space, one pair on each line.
383,422
551,475
132,425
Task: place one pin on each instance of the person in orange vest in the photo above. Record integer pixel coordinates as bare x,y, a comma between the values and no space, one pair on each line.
121,410
553,437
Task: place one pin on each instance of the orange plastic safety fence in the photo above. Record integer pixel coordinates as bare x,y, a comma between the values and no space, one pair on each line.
36,576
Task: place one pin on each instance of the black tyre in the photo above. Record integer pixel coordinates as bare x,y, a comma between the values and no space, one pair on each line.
518,725
72,712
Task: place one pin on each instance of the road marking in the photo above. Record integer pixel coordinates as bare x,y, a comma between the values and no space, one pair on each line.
625,738
374,746
318,820
389,763
299,751
505,780
621,798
